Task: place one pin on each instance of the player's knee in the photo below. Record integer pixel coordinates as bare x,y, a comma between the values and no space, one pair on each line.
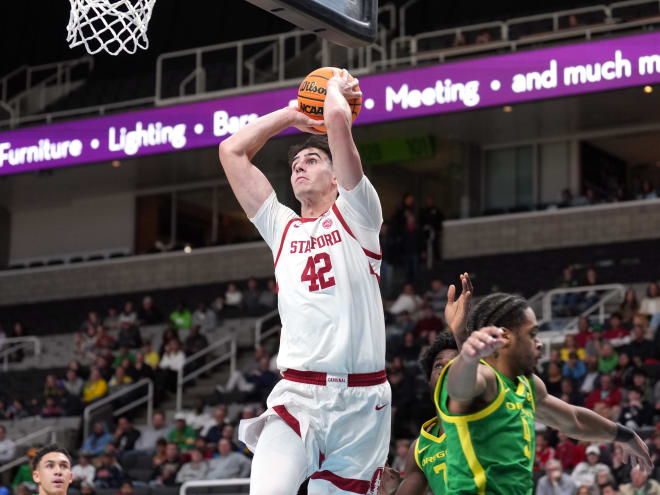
275,485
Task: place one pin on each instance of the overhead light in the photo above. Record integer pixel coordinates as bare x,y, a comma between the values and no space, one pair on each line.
187,249
507,109
116,163
648,89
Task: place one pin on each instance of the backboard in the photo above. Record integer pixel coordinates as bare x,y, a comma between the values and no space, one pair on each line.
349,23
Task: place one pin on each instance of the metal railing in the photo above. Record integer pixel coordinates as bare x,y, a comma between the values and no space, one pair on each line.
16,343
210,483
612,291
29,439
149,399
259,332
227,356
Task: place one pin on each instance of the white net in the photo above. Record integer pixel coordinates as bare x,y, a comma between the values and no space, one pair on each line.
111,25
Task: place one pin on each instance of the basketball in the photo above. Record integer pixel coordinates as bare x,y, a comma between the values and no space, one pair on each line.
311,95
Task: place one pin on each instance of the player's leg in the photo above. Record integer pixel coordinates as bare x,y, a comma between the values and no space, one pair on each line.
279,466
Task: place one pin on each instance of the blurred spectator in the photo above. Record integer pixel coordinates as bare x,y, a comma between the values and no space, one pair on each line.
640,485
650,305
428,322
149,435
7,447
103,362
17,355
173,360
141,369
585,472
204,318
409,351
251,296
160,454
483,37
647,191
555,481
566,199
198,419
103,339
151,357
129,336
568,392
228,464
149,314
263,380
123,353
605,400
165,472
544,452
459,40
238,379
617,335
87,488
407,301
125,435
574,368
214,434
389,252
84,471
126,488
620,468
629,307
51,387
607,358
604,478
228,433
218,304
431,218
565,304
92,321
128,314
180,318
623,373
73,384
585,335
411,245
637,412
640,381
51,409
573,21
570,345
640,348
95,387
590,297
111,321
553,379
565,452
24,473
399,462
233,297
3,338
109,473
97,440
182,435
196,469
4,411
407,207
268,298
17,410
118,381
591,378
436,296
195,342
403,397
654,450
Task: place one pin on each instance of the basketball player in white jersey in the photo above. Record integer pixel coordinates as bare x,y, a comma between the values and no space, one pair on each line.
329,418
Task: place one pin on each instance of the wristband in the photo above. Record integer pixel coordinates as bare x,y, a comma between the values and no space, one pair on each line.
623,434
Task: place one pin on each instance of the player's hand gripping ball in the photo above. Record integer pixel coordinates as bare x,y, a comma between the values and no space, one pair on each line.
312,91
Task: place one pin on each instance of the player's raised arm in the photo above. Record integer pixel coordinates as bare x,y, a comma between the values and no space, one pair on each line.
248,182
338,121
584,424
457,309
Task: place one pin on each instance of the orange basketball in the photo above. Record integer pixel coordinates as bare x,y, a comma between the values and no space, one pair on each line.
311,95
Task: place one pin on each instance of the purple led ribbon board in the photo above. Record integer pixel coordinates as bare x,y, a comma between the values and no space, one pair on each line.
498,80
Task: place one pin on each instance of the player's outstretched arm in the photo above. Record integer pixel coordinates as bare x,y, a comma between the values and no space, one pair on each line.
339,121
458,309
584,424
236,152
466,379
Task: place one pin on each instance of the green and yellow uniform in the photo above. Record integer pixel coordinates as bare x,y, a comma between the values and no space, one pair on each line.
431,456
491,451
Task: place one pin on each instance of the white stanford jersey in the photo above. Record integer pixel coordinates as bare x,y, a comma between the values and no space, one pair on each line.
327,272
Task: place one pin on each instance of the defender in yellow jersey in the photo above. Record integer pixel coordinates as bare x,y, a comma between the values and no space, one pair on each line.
488,406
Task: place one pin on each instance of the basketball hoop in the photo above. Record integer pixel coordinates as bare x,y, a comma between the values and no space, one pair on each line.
110,25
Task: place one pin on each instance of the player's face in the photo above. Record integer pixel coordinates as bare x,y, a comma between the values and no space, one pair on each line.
53,474
312,174
526,344
440,362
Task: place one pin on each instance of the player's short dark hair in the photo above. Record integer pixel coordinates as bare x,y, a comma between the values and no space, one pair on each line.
313,141
47,450
500,310
444,340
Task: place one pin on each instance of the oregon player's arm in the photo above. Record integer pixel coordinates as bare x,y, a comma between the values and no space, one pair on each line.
467,380
456,310
584,424
249,184
339,121
414,482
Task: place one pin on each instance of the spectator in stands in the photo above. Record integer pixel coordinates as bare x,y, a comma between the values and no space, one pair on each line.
228,464
640,485
126,489
654,449
403,397
19,354
616,334
553,379
97,440
125,435
149,435
604,478
623,373
24,473
172,361
129,336
389,252
570,345
141,369
647,190
123,353
628,308
268,298
51,387
238,379
218,304
84,471
194,343
3,338
593,296
566,451
605,400
95,387
565,304
181,319
109,473
459,40
607,357
4,411
17,409
103,339
409,351
102,363
431,218
584,336
590,380
228,433
111,321
251,296
407,301
574,368
51,409
585,472
569,393
204,318
197,418
87,489
637,412
119,380
92,321
555,481
263,380
544,452
640,381
160,454
640,348
620,469
151,357
411,245
7,447
402,446
214,434
194,470
148,314
182,435
233,297
73,384
436,296
650,305
128,314
165,472
428,322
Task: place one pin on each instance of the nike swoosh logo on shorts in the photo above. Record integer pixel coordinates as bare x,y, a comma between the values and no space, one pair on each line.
378,408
